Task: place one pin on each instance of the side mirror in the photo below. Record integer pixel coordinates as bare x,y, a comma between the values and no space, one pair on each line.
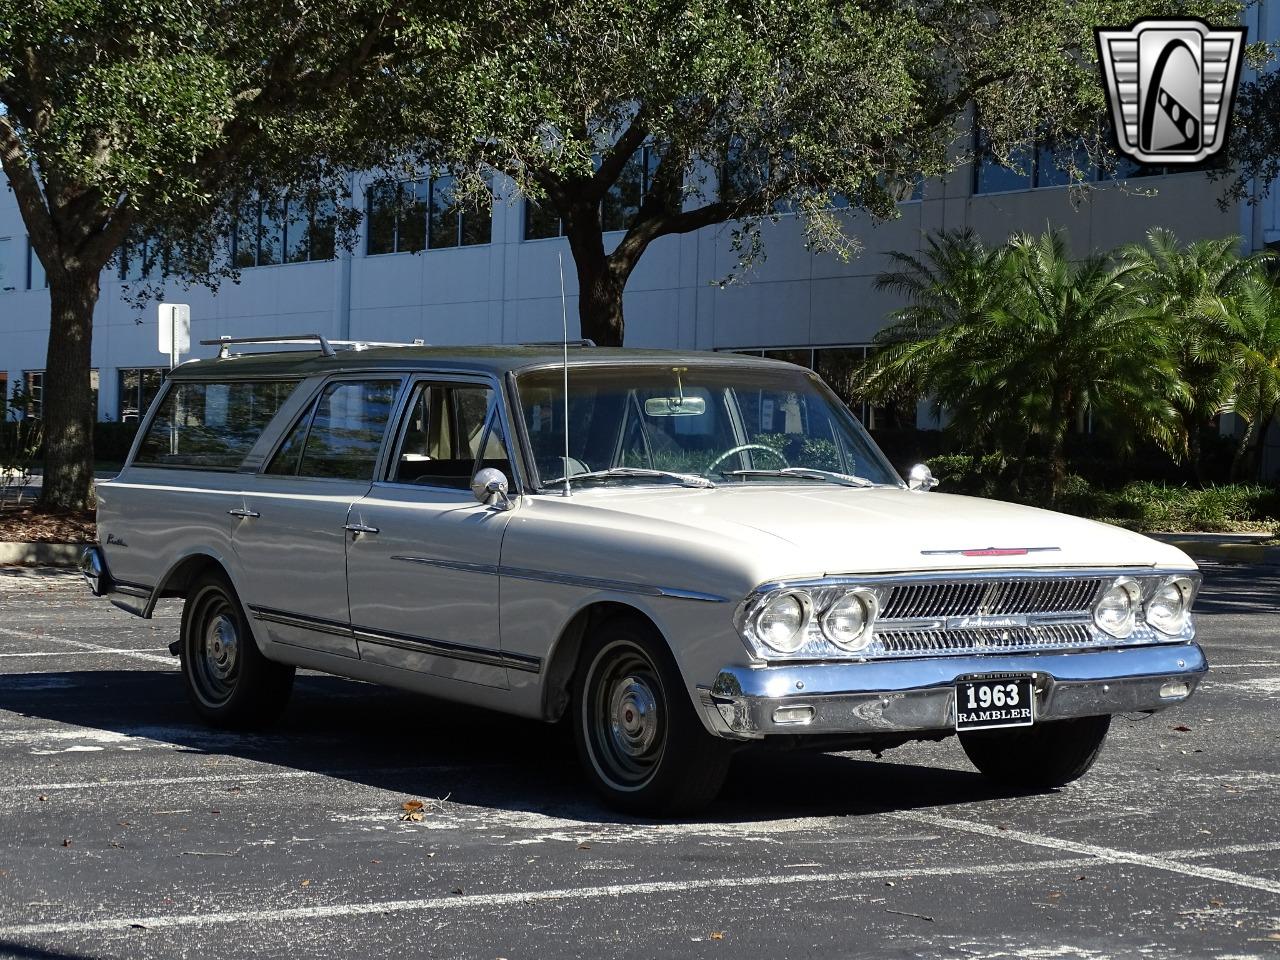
490,488
921,478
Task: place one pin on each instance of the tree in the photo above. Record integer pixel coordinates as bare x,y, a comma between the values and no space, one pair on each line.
1055,341
159,117
1193,288
1251,325
702,112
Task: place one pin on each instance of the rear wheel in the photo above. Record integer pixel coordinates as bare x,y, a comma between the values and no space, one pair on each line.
640,741
228,680
1040,756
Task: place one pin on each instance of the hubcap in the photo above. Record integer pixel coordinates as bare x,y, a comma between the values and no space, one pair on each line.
633,713
624,716
213,647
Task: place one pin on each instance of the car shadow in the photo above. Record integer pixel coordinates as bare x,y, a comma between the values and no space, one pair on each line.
424,748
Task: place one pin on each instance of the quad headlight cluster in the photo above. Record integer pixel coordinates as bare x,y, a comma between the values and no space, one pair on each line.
809,623
1163,604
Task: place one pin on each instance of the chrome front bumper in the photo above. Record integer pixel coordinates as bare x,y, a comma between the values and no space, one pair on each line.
919,695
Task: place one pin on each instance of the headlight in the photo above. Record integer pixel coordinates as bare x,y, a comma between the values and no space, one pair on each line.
1167,609
782,621
1117,610
847,622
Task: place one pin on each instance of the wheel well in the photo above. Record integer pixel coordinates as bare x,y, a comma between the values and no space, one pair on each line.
563,662
180,578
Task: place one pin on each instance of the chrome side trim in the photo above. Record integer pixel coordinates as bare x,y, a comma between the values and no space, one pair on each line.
442,648
600,583
454,651
333,627
567,579
451,564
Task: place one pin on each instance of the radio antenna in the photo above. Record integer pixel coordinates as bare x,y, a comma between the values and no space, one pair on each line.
564,321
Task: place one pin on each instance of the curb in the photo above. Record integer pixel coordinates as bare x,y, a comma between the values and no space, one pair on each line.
1228,552
40,554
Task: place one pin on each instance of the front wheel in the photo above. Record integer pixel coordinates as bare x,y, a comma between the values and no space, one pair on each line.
228,680
1041,756
639,739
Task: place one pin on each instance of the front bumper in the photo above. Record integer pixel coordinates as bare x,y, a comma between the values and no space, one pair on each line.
902,696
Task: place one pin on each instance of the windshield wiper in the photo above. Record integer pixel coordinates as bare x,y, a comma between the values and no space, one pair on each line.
684,479
806,473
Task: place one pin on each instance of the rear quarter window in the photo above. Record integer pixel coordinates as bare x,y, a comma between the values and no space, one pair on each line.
211,425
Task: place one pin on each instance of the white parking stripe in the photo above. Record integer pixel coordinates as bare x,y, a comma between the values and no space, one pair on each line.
1225,851
1108,854
520,898
79,653
80,644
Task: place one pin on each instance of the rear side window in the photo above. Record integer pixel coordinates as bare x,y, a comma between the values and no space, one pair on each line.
211,425
341,434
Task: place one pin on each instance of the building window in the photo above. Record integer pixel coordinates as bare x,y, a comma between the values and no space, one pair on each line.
414,215
8,271
138,386
541,222
4,395
37,279
285,230
34,383
138,256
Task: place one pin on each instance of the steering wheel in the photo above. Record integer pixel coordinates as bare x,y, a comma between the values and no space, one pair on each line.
739,449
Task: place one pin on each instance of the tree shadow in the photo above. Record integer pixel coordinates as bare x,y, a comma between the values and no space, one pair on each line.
420,747
1238,589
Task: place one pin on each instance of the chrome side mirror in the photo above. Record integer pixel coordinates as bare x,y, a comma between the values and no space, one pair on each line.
490,488
921,478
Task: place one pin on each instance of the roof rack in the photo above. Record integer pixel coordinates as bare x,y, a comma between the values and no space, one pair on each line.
584,342
326,345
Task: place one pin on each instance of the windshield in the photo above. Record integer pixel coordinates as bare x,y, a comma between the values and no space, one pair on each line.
728,424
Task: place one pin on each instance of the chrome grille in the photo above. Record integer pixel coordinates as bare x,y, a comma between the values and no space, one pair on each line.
961,598
984,640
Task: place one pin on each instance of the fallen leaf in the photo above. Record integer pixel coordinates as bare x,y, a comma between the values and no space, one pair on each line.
66,842
457,891
215,811
889,883
431,854
1054,894
137,926
717,935
375,861
412,805
1274,936
42,799
306,883
1215,902
1182,728
584,846
413,811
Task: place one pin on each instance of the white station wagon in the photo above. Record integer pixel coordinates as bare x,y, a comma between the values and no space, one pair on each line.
681,554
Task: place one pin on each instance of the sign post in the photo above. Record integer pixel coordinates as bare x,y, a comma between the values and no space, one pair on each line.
174,327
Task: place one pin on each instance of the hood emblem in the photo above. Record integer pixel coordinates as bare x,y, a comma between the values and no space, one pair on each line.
989,551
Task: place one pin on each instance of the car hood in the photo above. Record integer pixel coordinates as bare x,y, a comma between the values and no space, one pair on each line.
828,530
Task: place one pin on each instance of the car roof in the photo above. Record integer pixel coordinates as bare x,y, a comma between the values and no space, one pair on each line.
499,359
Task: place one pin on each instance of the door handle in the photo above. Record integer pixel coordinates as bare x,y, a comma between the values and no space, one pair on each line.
359,528
243,514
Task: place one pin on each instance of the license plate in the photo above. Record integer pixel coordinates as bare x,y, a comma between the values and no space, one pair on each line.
983,703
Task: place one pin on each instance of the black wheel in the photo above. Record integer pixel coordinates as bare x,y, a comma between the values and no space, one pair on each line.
229,681
639,739
1041,756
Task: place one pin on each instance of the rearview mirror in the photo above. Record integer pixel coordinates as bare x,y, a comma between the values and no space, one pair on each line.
490,488
675,406
921,478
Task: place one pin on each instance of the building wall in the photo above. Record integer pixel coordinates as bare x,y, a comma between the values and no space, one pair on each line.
509,290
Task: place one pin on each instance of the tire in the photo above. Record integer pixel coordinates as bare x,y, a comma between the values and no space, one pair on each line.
228,680
639,739
1041,756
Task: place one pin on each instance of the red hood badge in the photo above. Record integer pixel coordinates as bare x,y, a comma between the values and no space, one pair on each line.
990,551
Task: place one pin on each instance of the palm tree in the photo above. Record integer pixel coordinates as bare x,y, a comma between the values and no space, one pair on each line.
1020,343
1191,288
1251,325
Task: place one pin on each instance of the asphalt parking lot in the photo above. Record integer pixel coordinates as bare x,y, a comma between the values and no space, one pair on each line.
129,830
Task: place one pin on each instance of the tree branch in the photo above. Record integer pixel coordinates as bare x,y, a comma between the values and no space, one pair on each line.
26,187
615,160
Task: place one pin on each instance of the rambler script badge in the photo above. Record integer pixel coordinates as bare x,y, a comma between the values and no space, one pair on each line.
1171,84
989,623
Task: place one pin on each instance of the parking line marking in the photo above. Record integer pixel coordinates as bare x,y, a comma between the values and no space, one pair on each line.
79,653
25,635
520,898
1226,851
1107,854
